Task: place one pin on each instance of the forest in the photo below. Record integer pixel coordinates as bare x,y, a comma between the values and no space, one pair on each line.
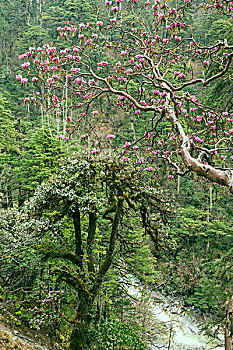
116,163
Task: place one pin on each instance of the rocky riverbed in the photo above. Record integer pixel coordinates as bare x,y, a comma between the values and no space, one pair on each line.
179,328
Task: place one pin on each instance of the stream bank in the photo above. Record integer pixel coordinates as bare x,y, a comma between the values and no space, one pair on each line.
179,328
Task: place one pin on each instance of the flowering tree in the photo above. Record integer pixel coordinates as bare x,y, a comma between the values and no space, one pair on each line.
145,67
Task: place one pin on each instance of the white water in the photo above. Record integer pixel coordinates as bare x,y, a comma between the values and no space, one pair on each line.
182,331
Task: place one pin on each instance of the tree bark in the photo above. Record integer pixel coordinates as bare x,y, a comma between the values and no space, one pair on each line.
223,177
78,238
91,237
79,335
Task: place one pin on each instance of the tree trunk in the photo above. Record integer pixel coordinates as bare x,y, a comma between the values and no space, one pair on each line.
78,339
79,335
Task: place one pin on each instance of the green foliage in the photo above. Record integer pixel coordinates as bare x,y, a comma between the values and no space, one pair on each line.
119,336
25,169
197,260
8,130
38,159
32,35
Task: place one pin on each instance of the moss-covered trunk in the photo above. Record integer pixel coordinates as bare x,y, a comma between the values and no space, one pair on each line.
79,335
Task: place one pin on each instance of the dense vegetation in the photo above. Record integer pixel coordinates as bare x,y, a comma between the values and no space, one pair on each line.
78,214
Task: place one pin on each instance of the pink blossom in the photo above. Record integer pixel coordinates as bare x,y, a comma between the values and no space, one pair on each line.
95,112
194,99
206,63
181,75
68,119
55,98
27,99
135,147
127,144
111,136
170,176
161,16
99,23
199,118
81,26
51,81
89,41
125,159
19,77
84,136
140,160
24,80
198,139
94,151
177,38
26,65
60,136
143,103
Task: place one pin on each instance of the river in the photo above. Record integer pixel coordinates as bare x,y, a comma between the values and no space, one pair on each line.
178,328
